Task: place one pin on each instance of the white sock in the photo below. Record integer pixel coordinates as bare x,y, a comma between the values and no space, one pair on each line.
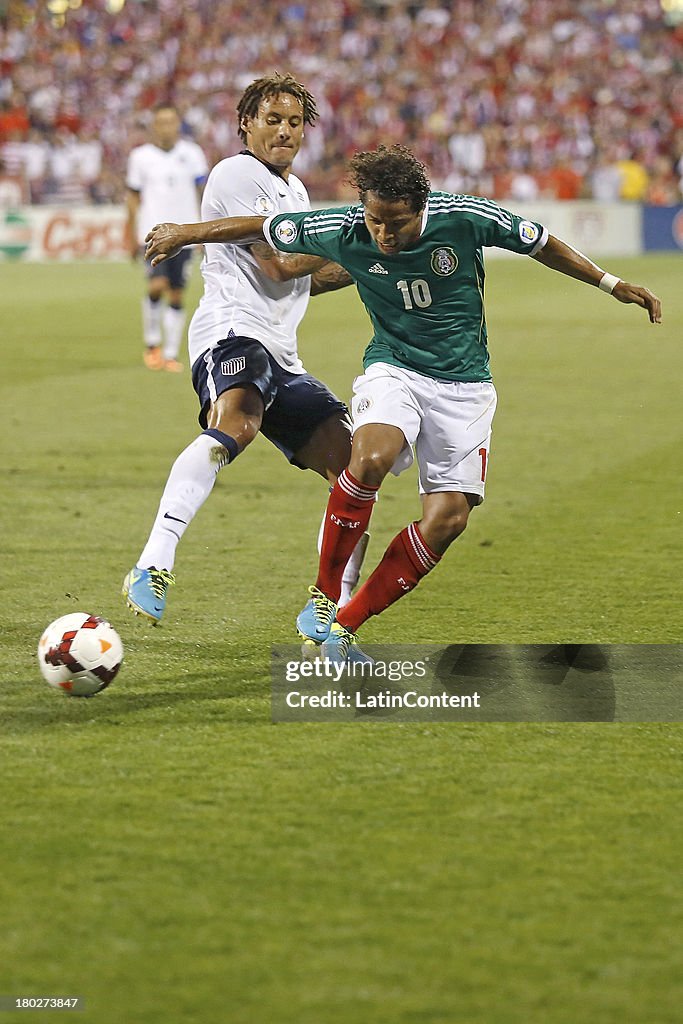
174,326
352,569
151,321
351,573
189,484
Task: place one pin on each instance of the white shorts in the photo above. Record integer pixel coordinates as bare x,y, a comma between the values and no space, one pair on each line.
448,423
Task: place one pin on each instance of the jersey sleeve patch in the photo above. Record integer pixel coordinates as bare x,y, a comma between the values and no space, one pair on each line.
263,205
528,232
285,231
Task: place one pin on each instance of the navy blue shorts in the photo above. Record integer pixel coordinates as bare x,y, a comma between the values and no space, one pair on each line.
177,269
295,403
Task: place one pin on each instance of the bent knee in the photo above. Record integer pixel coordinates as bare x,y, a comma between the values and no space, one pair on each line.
449,527
328,450
456,523
243,431
238,413
440,530
371,466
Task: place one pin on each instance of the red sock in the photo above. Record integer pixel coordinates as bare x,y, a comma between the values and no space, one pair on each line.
405,562
348,514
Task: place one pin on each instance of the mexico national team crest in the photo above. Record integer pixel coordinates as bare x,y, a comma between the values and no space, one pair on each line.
444,262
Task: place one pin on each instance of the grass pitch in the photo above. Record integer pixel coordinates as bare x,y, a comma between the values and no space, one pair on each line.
169,855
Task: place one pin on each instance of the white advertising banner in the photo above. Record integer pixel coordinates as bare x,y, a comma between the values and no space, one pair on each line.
52,233
596,229
62,233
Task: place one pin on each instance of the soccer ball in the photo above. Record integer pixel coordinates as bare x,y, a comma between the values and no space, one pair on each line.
80,654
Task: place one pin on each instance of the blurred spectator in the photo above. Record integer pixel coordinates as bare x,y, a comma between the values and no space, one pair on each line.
522,187
35,156
662,188
529,95
467,149
65,182
13,116
561,181
89,159
604,178
13,190
634,179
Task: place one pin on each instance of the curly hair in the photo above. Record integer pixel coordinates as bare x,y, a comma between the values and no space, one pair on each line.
273,85
394,173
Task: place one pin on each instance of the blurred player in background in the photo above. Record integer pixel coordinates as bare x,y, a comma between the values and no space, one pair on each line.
164,176
246,368
416,257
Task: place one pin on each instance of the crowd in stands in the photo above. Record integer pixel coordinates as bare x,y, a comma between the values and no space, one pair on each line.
515,99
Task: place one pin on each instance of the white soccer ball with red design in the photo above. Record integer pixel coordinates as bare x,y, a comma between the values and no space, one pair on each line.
80,654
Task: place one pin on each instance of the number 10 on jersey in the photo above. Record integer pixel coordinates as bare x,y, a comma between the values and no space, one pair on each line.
416,293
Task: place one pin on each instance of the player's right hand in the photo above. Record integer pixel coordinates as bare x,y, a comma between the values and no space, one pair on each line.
163,241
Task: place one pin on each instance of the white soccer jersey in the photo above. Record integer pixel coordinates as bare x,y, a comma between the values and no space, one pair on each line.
238,299
167,181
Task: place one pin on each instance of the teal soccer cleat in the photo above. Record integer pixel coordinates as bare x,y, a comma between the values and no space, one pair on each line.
314,620
341,646
145,591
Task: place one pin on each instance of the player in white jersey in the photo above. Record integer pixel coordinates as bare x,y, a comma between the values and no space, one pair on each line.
163,176
239,299
243,347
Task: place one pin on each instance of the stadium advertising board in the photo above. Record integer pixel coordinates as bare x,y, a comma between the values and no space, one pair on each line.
663,227
63,233
599,229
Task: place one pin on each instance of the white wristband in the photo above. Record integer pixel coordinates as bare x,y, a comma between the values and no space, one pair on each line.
608,283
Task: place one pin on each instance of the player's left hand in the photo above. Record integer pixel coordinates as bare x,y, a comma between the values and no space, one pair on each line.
625,292
164,241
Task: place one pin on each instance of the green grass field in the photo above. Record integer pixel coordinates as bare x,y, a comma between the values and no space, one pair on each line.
171,856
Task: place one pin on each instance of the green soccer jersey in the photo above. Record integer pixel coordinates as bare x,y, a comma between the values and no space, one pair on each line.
426,303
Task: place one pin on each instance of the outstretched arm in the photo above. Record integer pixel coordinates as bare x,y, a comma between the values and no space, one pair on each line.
283,266
165,240
557,255
326,276
329,278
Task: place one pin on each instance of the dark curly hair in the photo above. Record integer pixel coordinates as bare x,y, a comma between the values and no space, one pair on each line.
273,85
394,173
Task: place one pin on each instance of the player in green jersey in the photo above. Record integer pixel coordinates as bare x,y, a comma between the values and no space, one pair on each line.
415,256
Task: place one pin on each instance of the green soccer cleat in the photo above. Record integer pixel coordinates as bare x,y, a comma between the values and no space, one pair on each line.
145,591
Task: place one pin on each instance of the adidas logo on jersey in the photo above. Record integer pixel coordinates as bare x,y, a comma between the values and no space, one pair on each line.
377,268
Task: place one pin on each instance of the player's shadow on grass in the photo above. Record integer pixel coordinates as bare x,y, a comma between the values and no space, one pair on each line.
582,675
530,682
